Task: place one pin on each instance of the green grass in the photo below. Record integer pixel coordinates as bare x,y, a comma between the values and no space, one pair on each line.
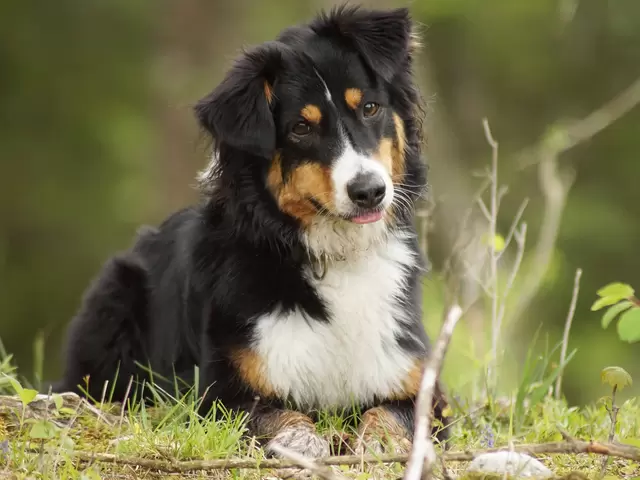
168,431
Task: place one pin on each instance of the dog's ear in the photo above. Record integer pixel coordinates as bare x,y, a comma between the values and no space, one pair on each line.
239,111
383,37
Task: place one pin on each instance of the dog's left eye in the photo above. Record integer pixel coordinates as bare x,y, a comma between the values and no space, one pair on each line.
301,129
370,109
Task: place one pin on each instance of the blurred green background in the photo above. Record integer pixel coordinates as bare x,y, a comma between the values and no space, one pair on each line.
97,136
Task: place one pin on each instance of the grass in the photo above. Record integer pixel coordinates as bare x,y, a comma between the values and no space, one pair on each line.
169,430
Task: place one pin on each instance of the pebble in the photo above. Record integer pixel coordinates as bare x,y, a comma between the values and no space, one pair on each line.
514,464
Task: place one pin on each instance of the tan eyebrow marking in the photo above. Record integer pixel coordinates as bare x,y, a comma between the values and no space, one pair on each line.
312,114
353,97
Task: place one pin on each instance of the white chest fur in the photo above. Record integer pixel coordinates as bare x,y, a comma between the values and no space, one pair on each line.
355,356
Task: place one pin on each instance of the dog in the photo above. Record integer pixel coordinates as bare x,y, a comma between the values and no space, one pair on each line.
295,284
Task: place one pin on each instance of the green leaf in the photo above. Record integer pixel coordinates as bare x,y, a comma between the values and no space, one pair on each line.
617,289
631,441
43,430
614,311
604,302
15,384
67,443
616,377
629,326
58,401
498,242
27,395
67,411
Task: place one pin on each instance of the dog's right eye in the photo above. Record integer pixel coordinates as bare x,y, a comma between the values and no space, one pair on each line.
301,129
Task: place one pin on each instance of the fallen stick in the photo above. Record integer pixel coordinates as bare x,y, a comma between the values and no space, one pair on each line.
573,446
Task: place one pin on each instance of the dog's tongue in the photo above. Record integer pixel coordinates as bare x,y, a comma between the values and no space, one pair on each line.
367,218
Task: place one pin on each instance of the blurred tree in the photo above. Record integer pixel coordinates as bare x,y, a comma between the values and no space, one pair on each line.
97,136
74,144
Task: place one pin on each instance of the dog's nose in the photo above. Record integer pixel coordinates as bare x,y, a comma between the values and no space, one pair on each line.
366,190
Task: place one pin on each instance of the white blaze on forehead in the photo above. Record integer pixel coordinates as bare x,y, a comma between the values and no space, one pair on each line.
351,163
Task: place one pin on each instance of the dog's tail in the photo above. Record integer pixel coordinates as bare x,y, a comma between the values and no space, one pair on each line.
105,339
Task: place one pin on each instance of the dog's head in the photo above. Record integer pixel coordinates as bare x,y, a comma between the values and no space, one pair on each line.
327,114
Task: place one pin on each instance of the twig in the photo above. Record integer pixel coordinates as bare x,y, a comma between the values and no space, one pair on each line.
493,258
555,187
423,450
514,225
305,462
570,446
520,237
613,414
595,122
567,329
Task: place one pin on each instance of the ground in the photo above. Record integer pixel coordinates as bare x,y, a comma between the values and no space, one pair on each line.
39,440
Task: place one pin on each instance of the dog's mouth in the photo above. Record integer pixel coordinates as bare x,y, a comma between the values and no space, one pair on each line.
368,217
360,217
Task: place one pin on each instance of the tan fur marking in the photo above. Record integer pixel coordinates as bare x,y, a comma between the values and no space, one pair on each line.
309,180
385,154
378,425
312,114
411,383
398,163
268,92
251,370
353,97
391,151
271,423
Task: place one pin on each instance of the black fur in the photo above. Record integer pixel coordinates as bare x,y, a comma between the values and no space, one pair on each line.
191,289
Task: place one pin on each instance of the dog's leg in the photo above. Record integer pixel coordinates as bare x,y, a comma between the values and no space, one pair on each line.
289,429
389,426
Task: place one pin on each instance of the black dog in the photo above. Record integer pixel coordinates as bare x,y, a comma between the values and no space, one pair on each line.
297,280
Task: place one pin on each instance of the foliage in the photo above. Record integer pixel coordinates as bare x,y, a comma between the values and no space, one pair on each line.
622,304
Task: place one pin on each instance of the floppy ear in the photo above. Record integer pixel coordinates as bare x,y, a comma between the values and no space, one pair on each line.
239,111
383,37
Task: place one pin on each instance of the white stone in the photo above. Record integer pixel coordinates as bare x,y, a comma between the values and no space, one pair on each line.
514,464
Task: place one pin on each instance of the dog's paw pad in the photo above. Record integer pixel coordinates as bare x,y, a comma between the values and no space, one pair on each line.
302,440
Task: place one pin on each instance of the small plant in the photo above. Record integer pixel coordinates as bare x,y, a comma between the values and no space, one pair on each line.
621,302
618,378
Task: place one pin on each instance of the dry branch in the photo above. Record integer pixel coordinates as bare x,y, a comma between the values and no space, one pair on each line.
321,471
571,446
555,186
423,450
567,329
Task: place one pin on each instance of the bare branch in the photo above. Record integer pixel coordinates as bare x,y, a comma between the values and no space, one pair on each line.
555,186
423,450
514,225
483,209
493,257
321,471
520,237
570,445
592,124
567,329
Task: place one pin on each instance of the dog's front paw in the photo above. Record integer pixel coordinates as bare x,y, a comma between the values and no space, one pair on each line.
301,439
381,432
391,444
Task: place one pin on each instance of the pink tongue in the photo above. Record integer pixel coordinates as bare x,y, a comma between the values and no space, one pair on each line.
367,218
